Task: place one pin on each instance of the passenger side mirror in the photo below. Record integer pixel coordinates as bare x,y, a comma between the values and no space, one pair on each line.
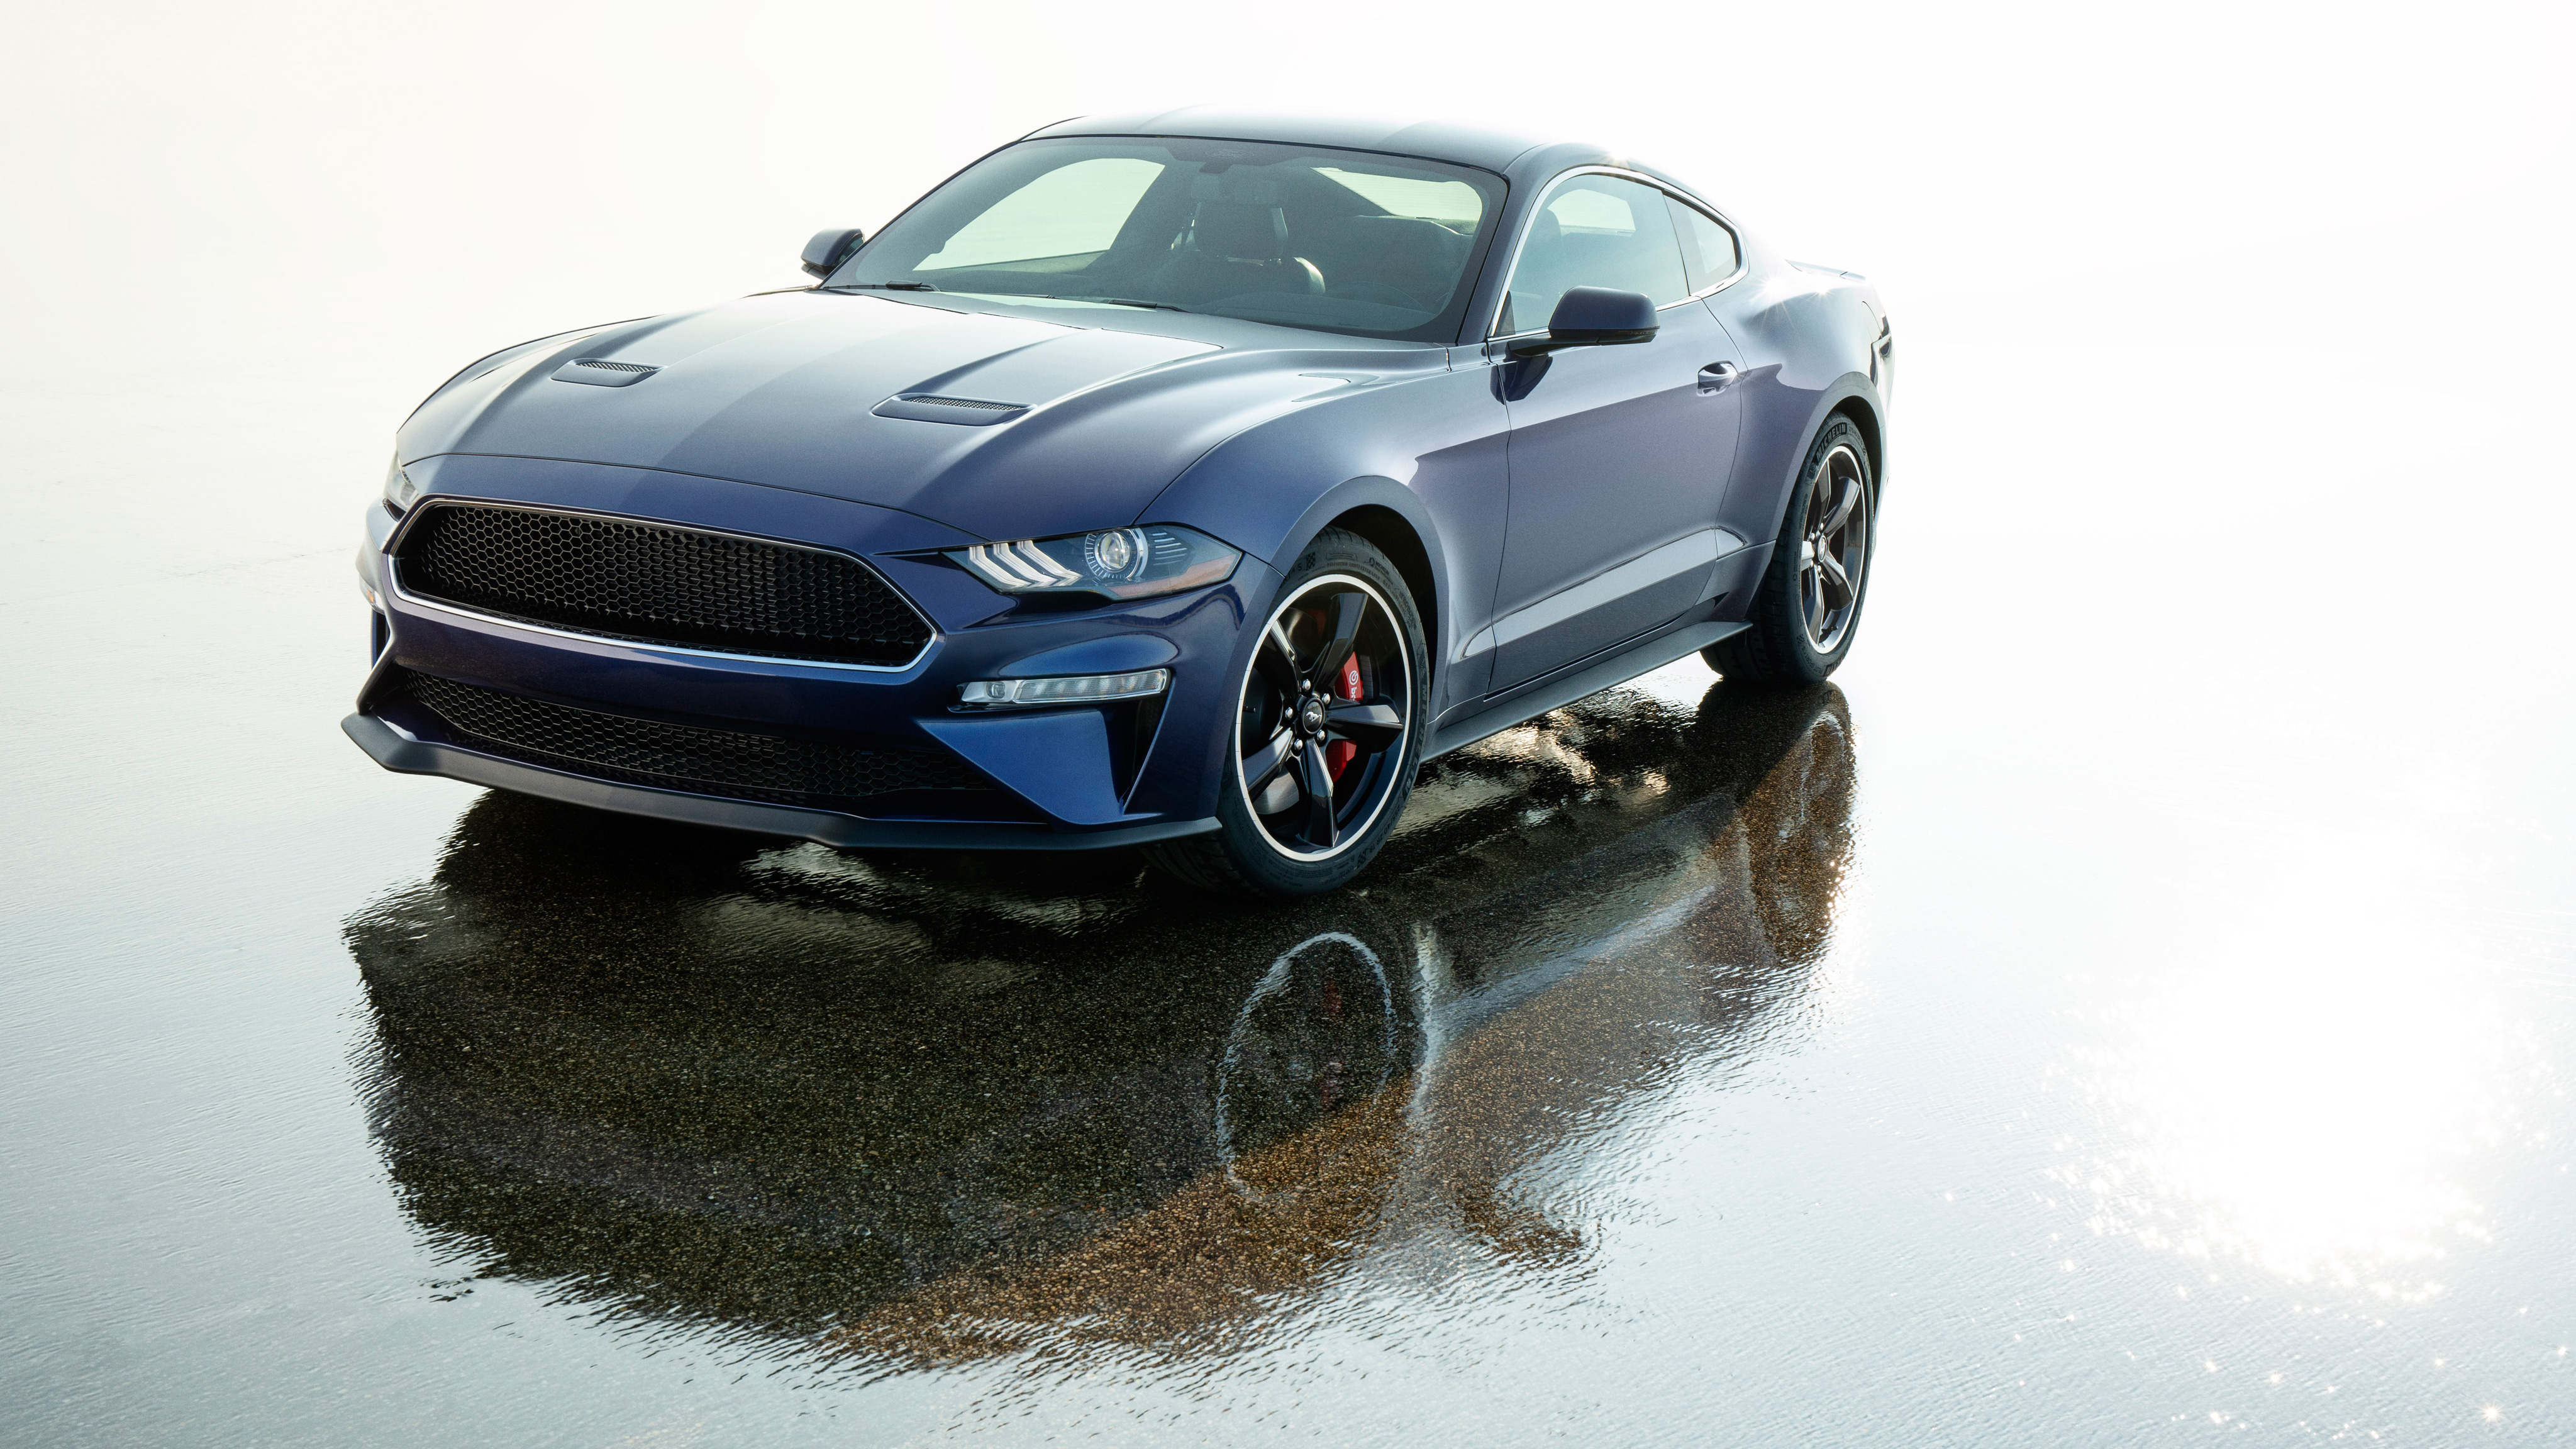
829,249
1593,317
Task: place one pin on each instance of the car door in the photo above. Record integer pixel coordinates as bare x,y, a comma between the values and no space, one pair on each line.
1619,455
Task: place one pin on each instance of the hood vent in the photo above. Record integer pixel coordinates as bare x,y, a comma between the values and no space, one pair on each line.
968,411
596,373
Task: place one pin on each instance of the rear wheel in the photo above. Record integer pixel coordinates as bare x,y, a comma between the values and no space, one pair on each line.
1325,739
1807,606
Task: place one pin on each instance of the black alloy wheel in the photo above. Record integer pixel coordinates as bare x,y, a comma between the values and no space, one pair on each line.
1324,743
1807,607
1833,550
1313,761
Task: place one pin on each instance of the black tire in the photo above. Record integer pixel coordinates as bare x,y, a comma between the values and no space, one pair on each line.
1278,853
1785,646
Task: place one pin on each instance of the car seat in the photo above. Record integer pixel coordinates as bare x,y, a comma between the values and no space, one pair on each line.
1236,242
1401,261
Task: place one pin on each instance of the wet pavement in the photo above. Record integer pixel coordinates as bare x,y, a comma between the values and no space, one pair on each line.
914,1113
2130,1006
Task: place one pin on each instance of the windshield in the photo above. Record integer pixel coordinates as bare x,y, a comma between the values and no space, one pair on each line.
1338,240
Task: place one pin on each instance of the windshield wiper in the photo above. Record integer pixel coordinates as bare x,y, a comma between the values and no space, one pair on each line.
1006,296
1104,301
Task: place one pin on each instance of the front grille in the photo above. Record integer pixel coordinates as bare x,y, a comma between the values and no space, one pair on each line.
650,583
679,757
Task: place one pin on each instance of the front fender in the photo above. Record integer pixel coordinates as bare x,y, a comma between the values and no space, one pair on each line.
1351,496
1427,449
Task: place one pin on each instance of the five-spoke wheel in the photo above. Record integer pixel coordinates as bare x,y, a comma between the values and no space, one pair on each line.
1802,615
1326,706
1326,730
1833,549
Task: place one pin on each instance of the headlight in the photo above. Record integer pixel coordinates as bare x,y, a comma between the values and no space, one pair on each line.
1124,563
399,490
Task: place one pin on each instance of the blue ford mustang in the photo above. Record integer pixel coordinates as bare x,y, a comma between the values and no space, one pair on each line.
1181,481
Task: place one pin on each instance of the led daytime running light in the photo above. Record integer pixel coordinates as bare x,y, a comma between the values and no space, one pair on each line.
1018,564
1069,689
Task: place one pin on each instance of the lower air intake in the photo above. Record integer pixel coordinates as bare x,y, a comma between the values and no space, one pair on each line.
819,774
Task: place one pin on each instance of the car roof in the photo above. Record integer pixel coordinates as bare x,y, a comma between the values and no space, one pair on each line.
1480,146
1518,157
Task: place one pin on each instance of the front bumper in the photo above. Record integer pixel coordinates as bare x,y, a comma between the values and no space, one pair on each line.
409,755
1073,778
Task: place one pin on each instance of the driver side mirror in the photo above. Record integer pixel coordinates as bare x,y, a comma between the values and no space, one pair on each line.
1593,317
830,248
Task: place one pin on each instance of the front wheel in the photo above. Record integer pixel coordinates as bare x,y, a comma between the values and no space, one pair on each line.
1326,733
1807,606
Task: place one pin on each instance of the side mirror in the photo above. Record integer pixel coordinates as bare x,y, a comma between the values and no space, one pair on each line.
1593,317
829,249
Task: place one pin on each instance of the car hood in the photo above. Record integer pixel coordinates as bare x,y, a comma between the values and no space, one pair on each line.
784,389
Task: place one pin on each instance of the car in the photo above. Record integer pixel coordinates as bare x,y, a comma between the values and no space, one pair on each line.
1181,481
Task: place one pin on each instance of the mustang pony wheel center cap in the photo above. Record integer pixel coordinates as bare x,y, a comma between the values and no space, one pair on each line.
1310,717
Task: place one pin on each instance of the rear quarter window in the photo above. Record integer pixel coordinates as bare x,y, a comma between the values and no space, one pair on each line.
1709,250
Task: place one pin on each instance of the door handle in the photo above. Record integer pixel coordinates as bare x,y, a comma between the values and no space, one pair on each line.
1717,375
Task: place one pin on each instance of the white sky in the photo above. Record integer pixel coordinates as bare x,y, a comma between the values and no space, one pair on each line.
508,169
265,231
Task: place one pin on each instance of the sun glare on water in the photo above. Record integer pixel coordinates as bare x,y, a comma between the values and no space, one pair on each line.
2315,1098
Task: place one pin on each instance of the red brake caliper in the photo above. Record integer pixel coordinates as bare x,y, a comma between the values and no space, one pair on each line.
1339,754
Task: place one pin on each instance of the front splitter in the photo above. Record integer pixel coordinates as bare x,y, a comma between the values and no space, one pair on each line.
405,755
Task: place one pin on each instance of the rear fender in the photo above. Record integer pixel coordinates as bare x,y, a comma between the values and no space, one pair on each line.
1783,453
1809,334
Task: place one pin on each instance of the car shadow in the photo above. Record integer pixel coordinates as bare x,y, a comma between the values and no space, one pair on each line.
921,1108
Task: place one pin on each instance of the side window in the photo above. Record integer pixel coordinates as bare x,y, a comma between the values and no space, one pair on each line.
1070,211
1708,249
1593,231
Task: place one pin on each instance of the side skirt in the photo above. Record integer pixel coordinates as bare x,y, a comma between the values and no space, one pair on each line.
1558,691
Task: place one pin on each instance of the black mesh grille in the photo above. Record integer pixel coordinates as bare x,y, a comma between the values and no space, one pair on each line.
679,757
964,402
653,584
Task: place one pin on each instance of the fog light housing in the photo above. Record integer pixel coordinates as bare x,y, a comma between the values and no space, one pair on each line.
1062,690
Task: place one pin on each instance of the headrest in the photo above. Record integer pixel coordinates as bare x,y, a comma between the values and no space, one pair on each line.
1239,229
1220,182
1403,250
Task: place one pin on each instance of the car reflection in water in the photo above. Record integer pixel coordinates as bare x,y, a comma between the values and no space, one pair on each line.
924,1108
